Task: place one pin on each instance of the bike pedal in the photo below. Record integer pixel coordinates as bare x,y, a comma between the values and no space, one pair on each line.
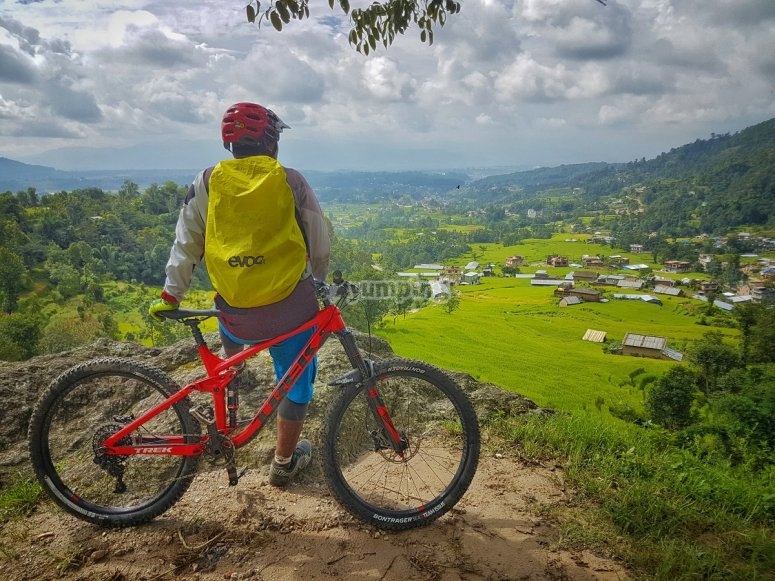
235,475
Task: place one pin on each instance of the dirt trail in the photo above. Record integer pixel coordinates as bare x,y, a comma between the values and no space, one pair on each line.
498,530
255,531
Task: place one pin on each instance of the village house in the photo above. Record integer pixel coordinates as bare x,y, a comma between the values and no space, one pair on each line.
677,266
592,261
707,287
587,276
618,260
586,294
636,248
609,279
760,292
556,260
663,289
451,275
643,345
705,260
570,300
515,260
661,280
631,283
600,239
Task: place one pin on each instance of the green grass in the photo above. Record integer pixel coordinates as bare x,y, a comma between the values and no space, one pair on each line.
18,497
665,513
515,335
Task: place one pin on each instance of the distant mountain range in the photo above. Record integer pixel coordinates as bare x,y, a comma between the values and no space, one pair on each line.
725,165
330,186
17,176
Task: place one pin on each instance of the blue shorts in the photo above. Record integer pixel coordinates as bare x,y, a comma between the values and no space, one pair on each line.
283,355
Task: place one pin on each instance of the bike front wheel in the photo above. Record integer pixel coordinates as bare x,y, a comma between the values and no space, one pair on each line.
78,411
440,434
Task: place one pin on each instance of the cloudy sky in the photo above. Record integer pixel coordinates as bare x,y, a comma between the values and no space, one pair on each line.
98,84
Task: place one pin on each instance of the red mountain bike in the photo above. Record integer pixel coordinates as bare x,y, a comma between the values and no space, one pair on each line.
116,442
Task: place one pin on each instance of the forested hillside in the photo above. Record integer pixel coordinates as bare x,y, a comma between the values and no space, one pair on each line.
709,186
77,242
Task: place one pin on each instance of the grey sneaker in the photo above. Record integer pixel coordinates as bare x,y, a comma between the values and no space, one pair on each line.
282,475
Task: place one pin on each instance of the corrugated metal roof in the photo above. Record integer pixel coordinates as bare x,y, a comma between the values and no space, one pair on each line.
644,341
667,290
594,336
741,299
571,300
672,354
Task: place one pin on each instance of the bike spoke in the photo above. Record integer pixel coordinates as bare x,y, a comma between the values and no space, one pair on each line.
86,409
439,429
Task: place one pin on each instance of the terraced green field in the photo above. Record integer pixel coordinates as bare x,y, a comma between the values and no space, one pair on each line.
517,336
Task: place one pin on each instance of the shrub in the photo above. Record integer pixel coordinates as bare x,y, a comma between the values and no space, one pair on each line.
669,400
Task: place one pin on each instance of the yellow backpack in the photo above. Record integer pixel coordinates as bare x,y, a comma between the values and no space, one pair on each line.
254,248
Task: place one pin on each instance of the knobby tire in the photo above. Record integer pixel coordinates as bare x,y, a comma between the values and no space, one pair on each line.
81,408
440,427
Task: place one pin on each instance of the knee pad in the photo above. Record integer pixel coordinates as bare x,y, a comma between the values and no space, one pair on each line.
290,410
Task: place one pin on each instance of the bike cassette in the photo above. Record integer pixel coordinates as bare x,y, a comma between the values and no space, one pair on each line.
114,465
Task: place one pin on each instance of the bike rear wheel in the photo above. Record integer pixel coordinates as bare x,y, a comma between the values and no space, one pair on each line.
439,426
81,408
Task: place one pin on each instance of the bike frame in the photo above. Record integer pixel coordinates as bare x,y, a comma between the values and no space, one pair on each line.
220,372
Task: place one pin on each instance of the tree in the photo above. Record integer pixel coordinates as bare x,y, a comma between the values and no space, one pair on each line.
746,316
380,22
19,336
12,278
452,304
763,336
669,400
713,358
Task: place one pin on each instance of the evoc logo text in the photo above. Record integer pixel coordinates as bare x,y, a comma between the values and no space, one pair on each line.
243,261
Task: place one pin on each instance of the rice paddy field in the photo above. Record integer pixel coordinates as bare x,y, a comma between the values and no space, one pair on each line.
515,335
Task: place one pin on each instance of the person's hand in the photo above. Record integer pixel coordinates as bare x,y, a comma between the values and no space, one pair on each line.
165,303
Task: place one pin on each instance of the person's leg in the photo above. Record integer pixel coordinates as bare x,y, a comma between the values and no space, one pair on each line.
288,434
292,410
229,347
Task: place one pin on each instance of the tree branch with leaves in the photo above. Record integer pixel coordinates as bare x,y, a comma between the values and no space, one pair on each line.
379,23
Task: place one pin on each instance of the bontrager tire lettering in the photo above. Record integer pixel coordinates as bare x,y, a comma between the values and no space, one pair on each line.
440,427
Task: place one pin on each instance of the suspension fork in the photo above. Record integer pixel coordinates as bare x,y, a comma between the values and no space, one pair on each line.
365,369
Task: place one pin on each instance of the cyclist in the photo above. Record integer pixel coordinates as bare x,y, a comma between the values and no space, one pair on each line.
260,229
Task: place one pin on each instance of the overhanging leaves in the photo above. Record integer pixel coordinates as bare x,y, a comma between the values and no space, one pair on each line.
379,23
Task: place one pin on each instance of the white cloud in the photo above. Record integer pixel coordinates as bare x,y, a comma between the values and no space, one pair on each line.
505,81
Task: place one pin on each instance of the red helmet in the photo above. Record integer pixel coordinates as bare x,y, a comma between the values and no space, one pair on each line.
249,124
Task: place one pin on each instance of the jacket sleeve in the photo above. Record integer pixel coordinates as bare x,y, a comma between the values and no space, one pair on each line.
313,222
188,248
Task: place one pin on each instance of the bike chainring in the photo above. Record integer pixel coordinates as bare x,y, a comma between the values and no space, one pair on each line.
218,448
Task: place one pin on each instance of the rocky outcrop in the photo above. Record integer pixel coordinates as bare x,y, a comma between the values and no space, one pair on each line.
21,383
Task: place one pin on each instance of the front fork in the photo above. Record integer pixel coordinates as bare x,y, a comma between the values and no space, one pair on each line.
363,372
